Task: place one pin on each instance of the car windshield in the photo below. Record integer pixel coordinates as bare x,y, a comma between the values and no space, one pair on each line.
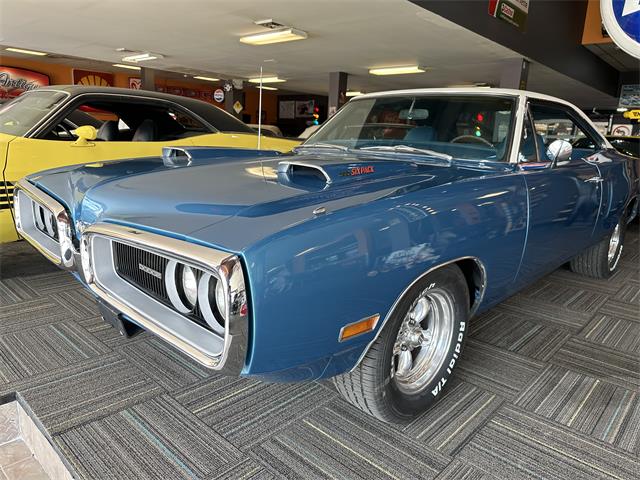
473,127
22,113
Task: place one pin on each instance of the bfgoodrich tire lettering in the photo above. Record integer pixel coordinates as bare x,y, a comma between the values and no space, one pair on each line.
396,391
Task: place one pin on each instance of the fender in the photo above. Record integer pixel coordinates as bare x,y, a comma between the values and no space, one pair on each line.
474,307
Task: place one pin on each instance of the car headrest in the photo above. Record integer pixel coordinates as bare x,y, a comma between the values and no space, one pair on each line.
420,134
146,132
108,131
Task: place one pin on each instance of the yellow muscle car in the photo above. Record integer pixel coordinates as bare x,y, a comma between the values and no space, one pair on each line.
40,129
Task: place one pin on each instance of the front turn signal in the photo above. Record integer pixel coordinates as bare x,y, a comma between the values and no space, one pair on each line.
358,328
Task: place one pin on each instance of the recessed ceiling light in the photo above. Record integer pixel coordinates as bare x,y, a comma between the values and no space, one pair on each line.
122,65
353,94
396,70
286,34
26,52
208,79
267,88
266,80
141,57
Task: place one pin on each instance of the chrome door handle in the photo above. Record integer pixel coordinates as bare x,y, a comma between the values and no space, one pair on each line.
594,180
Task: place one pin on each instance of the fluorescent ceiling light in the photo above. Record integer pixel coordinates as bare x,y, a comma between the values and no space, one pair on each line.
266,80
141,57
286,34
208,79
267,88
26,52
396,70
122,65
353,94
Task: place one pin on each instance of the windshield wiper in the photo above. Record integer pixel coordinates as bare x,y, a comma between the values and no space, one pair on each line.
323,145
408,149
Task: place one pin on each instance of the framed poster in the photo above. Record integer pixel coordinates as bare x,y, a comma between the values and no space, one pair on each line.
88,77
287,109
14,81
304,109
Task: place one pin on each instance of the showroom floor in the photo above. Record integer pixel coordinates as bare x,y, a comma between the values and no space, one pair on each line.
549,388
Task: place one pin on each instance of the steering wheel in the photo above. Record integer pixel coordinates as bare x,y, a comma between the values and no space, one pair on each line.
472,137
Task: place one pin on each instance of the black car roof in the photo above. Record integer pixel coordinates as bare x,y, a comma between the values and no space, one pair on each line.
212,114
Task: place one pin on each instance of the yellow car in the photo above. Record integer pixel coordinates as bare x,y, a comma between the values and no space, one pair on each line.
38,131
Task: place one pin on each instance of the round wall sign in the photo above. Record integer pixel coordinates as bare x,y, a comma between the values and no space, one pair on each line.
621,18
218,95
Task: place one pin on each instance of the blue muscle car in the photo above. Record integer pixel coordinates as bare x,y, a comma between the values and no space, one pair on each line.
362,255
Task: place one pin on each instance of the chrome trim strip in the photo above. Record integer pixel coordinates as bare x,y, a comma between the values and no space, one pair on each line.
404,292
38,196
45,123
194,339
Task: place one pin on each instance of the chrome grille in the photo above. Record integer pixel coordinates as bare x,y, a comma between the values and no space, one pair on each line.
146,270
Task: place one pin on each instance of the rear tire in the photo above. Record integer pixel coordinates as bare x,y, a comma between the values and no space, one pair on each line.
601,260
405,369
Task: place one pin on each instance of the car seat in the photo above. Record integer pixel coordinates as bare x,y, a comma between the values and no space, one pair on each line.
146,132
108,131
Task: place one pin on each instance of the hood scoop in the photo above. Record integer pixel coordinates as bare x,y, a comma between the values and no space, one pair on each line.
314,174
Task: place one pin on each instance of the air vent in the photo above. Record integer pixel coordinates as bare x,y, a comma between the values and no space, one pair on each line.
303,173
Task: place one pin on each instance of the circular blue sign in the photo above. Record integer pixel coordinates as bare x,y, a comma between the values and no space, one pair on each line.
627,13
621,18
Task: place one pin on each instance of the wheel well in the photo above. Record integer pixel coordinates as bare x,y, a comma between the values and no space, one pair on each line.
474,274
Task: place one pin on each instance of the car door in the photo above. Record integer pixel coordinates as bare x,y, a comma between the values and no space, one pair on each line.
564,196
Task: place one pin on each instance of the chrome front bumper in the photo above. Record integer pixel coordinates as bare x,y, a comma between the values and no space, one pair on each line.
27,199
225,353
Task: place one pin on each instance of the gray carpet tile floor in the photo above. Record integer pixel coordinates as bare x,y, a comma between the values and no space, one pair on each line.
549,388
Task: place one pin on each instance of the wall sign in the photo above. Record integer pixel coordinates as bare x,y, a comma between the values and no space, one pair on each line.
88,77
287,109
621,18
14,81
304,109
514,12
218,95
237,107
629,96
135,83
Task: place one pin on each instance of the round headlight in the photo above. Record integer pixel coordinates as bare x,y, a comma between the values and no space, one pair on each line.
221,299
189,285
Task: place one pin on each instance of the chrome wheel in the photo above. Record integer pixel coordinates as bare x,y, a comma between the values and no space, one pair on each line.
615,249
423,341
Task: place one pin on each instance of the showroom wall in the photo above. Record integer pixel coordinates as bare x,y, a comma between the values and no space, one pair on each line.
62,74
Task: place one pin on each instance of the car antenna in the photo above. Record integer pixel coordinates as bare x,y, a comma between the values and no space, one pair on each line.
260,110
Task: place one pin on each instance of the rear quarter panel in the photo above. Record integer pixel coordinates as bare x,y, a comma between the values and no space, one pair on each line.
310,280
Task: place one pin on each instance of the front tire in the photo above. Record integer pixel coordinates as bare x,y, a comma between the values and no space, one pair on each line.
601,260
405,369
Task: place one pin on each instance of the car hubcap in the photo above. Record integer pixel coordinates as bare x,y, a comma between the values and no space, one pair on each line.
614,244
423,341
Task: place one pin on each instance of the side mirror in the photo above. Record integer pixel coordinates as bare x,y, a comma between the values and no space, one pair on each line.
559,151
85,134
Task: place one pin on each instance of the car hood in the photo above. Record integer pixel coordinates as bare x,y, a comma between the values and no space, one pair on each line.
231,204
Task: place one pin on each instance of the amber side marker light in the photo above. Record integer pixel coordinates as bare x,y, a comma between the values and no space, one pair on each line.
358,328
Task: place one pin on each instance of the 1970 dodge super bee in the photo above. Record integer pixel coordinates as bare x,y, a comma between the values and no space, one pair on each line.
362,255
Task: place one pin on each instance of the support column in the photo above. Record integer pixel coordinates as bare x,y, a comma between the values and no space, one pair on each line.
337,91
231,95
515,74
148,76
